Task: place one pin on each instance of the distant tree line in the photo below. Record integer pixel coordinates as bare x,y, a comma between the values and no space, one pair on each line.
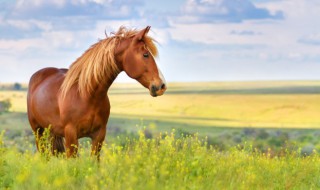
14,86
17,86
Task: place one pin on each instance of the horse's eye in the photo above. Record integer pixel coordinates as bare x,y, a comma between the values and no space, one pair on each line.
146,55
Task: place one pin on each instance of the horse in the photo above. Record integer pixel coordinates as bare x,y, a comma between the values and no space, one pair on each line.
73,103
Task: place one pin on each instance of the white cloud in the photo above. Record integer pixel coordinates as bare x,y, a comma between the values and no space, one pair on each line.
268,40
20,45
48,41
215,11
161,35
311,39
41,9
30,24
21,4
28,19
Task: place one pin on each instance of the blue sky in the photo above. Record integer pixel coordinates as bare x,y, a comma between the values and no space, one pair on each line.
199,40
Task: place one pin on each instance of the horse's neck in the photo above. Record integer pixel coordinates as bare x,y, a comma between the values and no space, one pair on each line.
103,87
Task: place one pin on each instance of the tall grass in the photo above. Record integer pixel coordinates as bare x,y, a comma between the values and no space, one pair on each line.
164,162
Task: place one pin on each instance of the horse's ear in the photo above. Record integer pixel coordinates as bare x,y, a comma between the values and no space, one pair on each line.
142,33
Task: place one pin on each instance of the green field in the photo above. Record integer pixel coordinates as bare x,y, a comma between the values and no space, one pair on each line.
256,135
164,162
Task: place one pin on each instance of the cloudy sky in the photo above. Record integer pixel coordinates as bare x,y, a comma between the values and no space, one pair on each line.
199,40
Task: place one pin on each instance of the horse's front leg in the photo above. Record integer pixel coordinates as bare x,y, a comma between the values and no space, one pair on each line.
71,140
97,141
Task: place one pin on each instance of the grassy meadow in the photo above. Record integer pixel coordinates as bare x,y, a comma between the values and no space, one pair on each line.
211,135
164,162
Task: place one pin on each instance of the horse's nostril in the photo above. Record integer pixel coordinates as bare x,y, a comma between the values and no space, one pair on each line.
154,89
163,86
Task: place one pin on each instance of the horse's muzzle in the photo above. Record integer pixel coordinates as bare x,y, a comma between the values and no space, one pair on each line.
157,90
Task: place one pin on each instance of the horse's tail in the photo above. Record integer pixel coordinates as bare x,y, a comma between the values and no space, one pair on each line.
57,145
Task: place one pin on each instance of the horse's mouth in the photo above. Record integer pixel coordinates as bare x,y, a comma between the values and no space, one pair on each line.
153,94
157,90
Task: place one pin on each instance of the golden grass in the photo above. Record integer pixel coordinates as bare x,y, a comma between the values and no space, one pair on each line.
187,103
18,100
225,110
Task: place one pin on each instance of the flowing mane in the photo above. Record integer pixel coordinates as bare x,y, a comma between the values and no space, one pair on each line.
98,63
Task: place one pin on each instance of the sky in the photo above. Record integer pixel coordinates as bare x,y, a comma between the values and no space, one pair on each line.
198,40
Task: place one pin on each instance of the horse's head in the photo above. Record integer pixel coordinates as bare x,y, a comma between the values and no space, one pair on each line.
138,61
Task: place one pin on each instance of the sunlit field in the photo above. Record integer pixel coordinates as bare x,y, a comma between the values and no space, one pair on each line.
217,135
225,106
233,104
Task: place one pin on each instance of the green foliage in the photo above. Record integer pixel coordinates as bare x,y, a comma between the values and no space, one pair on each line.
1,141
45,143
5,105
163,162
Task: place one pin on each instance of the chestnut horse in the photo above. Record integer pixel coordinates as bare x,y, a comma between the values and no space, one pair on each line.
74,102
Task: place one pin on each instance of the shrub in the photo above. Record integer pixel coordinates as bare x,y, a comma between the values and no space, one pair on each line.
5,105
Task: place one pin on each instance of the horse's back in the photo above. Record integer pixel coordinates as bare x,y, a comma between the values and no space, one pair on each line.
42,75
42,101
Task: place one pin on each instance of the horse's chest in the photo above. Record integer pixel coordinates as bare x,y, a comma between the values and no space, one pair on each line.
87,117
90,123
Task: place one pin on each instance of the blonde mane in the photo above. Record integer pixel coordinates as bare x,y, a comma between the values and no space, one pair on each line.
98,63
